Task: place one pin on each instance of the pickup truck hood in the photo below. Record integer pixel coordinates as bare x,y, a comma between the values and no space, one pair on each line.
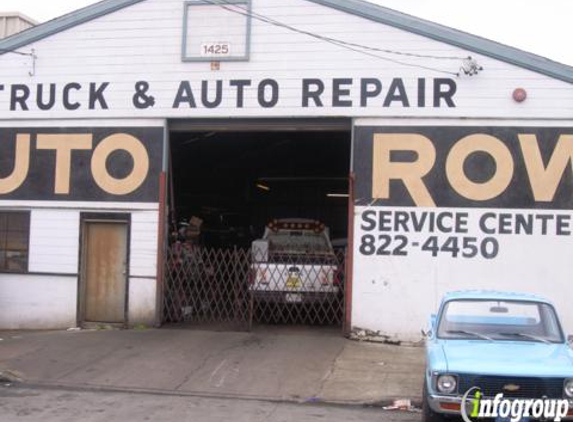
512,358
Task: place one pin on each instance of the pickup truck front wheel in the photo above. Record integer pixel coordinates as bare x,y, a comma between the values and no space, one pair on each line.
428,415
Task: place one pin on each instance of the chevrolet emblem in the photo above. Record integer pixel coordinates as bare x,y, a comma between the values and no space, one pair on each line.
511,387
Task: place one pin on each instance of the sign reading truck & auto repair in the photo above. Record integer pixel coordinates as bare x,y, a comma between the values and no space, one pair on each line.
81,164
188,95
459,192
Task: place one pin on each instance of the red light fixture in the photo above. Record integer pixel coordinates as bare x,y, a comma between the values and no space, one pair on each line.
315,226
519,95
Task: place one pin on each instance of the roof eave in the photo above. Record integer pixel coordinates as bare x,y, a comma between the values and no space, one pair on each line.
62,23
453,37
360,8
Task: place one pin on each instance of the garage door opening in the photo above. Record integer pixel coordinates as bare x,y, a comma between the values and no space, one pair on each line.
259,224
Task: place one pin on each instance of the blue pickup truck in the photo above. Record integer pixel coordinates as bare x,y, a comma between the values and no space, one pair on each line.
508,345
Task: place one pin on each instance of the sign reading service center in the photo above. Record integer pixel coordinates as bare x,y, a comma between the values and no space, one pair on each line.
458,192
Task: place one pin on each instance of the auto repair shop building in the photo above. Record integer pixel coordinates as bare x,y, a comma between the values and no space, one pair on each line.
114,115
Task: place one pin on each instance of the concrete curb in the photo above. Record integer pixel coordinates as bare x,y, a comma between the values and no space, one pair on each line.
37,385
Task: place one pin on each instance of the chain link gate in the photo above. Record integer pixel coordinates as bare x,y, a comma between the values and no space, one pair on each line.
207,285
303,289
242,287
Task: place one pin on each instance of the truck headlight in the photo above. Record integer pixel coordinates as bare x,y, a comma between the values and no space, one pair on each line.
447,384
568,388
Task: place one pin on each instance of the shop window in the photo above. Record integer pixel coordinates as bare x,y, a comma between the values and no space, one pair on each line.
14,240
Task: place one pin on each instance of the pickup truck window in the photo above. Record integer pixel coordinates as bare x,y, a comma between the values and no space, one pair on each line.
499,320
298,242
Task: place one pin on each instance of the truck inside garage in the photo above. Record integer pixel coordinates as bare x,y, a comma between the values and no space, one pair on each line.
258,222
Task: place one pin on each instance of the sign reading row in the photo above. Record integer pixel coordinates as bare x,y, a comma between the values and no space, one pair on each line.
81,164
502,167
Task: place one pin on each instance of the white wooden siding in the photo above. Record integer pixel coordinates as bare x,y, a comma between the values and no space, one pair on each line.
142,301
86,123
54,241
143,42
143,258
396,295
37,302
80,205
48,297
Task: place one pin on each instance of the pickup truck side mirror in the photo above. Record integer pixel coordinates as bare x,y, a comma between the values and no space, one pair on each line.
570,339
429,332
433,320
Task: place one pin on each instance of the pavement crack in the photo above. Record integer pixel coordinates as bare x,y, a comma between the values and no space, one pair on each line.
83,365
271,413
193,372
329,373
241,344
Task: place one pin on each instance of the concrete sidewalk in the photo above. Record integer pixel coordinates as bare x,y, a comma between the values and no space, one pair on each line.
269,364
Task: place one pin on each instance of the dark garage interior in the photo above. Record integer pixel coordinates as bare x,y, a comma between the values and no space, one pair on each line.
237,182
226,186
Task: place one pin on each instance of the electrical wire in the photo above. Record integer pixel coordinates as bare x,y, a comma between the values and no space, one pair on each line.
359,48
19,53
32,54
365,47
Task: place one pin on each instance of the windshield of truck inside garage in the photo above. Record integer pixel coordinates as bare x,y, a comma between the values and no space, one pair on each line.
499,320
298,242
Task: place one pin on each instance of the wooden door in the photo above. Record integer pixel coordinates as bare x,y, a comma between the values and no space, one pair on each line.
105,271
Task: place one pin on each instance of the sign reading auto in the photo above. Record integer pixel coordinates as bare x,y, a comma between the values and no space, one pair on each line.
97,164
457,191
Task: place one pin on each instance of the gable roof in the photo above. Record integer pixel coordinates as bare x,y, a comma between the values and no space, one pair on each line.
361,8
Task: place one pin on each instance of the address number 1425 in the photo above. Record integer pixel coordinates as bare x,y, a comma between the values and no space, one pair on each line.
220,49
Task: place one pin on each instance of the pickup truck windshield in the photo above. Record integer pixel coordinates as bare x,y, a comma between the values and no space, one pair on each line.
499,320
298,242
